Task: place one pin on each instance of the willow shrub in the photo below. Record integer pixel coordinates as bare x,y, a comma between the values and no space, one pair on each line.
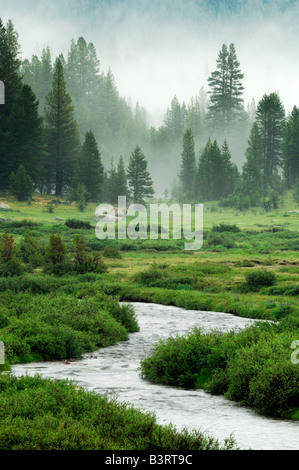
263,376
47,327
43,414
260,278
252,367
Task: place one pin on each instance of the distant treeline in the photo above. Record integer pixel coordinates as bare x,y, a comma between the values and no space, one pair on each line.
65,129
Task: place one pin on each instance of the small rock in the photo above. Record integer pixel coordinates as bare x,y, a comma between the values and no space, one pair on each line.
4,206
59,218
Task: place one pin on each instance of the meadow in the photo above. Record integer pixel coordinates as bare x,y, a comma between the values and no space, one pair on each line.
248,266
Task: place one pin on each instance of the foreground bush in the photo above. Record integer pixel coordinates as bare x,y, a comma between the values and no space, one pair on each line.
42,414
43,327
252,367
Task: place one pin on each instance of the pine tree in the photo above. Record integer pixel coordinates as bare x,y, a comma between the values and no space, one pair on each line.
252,170
290,161
45,78
255,147
270,118
10,76
82,71
121,177
139,123
235,87
89,168
174,120
21,184
188,165
25,135
13,42
62,133
193,119
108,106
210,172
112,184
229,172
226,100
139,180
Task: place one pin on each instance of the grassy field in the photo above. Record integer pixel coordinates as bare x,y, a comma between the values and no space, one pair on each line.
254,219
249,267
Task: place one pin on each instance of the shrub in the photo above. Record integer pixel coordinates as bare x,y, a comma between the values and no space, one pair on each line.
30,250
56,250
45,414
148,276
226,228
55,258
20,224
112,252
274,391
218,238
21,184
9,264
50,207
11,268
64,326
78,224
85,262
7,248
244,264
260,278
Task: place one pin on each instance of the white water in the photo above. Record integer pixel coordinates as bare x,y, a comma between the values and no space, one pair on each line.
114,371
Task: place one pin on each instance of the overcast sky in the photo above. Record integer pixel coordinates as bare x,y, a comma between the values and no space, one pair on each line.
159,49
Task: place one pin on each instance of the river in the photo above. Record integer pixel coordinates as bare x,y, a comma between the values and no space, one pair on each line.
115,371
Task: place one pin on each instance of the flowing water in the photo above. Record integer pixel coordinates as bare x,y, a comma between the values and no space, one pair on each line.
115,371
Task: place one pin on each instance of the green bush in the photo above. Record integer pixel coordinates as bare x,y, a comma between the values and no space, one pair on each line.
262,376
78,224
84,262
226,228
64,326
149,276
252,367
112,252
218,238
274,391
30,250
244,264
11,268
44,414
21,184
260,278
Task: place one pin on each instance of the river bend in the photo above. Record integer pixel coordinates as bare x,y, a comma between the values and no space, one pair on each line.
115,371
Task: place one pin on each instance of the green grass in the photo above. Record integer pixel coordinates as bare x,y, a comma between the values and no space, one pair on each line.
253,368
61,326
43,414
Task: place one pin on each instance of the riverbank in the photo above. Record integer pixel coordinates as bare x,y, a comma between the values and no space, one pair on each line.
42,414
62,310
115,372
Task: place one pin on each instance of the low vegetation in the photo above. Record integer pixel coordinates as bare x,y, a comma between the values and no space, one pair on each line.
43,414
252,367
60,291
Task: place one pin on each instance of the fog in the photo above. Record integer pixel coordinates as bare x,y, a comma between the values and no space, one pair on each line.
159,49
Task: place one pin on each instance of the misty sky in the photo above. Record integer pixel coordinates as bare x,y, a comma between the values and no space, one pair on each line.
158,49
